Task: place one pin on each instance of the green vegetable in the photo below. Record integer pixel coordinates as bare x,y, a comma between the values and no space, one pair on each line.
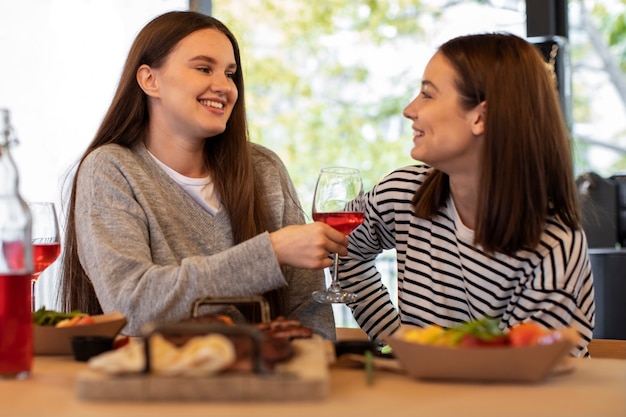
386,350
369,367
43,317
485,329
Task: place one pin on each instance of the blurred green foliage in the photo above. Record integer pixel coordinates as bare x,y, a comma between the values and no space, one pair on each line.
313,90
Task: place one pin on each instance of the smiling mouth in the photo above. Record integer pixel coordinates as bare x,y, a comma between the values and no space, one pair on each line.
211,103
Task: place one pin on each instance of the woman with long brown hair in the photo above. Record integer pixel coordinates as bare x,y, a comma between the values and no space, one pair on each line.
171,202
489,223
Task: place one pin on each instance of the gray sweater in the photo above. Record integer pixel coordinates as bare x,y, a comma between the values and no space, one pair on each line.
151,250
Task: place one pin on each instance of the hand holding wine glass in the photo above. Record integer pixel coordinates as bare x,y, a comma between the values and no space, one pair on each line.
336,202
46,240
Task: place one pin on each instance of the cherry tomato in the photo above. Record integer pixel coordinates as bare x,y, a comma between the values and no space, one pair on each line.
85,320
526,334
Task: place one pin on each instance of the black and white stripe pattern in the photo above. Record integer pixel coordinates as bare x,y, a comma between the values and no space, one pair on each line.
444,279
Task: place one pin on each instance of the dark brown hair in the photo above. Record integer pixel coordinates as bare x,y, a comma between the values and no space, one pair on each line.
527,168
227,154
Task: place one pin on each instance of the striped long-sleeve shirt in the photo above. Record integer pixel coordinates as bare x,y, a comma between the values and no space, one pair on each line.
444,279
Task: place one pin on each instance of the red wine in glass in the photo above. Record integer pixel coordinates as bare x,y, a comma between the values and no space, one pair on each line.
45,238
337,202
44,254
343,221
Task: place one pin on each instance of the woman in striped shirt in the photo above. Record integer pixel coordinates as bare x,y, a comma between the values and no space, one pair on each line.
488,224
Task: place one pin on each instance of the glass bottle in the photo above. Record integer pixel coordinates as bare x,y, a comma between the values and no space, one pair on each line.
16,265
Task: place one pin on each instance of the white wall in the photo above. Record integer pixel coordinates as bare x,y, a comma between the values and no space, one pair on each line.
60,61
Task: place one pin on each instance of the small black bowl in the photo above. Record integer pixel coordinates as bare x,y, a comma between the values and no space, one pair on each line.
85,347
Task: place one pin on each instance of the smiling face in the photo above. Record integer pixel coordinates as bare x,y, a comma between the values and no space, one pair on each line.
193,94
445,135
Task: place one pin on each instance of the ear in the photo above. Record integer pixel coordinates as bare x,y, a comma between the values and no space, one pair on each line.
479,115
147,80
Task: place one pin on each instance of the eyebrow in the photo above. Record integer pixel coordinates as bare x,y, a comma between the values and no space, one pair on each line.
427,83
211,60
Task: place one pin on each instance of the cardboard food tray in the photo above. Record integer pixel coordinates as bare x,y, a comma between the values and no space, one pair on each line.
304,377
481,364
50,340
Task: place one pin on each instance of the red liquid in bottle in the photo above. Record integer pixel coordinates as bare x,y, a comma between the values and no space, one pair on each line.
16,338
44,255
344,221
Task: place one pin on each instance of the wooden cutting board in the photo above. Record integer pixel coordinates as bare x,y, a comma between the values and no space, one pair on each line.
305,377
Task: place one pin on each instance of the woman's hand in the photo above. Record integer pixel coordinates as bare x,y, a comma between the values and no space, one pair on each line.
308,246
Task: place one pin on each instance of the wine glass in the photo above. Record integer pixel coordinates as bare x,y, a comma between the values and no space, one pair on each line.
46,240
337,202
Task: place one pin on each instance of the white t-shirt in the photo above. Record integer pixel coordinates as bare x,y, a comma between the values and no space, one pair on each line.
202,190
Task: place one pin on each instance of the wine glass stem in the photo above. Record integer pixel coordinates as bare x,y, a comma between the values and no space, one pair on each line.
334,282
33,281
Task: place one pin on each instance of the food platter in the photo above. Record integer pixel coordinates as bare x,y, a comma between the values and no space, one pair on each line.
481,364
275,360
50,340
304,377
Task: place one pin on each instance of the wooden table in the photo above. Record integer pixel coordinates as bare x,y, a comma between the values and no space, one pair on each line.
596,388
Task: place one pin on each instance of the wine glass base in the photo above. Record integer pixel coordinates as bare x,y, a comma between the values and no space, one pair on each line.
330,297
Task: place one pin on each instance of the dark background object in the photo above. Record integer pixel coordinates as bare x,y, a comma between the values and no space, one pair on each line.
603,202
609,273
547,18
598,200
86,347
620,183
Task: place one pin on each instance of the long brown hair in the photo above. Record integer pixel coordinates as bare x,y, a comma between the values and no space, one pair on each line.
227,154
527,168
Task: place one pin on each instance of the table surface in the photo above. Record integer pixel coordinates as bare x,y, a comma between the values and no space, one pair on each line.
596,387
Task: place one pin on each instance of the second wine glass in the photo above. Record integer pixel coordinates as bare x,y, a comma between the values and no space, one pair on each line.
337,202
46,240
